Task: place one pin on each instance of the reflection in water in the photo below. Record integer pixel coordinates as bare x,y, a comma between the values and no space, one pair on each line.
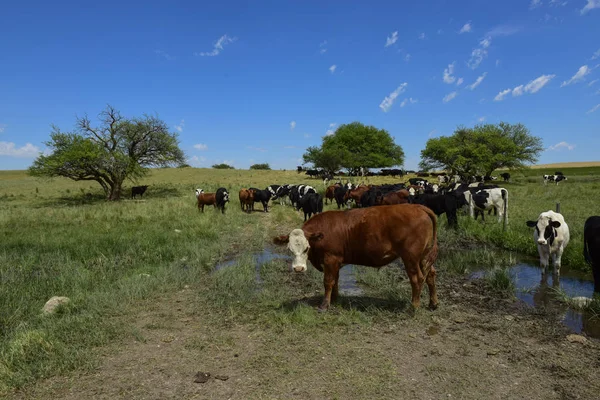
539,291
347,282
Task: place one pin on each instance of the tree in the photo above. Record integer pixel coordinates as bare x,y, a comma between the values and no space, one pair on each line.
353,146
482,149
116,150
222,166
264,166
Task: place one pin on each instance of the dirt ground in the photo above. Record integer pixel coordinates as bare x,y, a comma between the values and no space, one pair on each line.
475,346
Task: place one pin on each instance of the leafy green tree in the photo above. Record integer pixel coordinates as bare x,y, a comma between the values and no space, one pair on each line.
116,150
264,166
353,146
222,166
482,149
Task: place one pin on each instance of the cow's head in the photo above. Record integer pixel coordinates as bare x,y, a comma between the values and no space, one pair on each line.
299,245
545,228
199,192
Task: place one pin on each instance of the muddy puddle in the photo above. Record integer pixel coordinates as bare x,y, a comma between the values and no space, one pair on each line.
348,285
544,294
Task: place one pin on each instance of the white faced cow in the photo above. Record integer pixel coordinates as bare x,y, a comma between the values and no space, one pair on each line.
199,192
552,236
554,178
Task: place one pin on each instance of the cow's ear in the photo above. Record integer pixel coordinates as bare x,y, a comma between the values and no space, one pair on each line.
315,237
280,240
555,224
531,224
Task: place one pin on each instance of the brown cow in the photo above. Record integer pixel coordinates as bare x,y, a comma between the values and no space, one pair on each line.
330,192
246,199
374,237
355,194
398,197
206,199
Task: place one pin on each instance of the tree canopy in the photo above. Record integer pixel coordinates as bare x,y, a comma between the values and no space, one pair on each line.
263,166
353,146
116,150
482,149
222,166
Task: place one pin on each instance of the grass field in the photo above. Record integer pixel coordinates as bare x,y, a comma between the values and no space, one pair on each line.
61,238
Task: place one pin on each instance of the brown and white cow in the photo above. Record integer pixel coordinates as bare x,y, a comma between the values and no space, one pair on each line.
373,237
206,199
355,194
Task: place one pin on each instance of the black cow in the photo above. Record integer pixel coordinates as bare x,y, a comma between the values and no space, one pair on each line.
447,203
339,194
505,176
591,248
311,203
299,169
558,173
263,196
138,190
222,197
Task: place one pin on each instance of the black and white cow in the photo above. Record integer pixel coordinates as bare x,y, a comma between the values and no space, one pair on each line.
554,178
440,204
552,236
488,199
281,193
222,197
311,203
299,191
273,189
591,248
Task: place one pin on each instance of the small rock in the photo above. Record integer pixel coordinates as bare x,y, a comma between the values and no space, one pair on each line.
168,339
576,339
509,317
221,377
177,230
493,352
202,377
186,286
54,303
145,275
459,320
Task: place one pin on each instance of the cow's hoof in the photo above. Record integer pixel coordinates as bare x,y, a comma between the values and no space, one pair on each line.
322,309
433,306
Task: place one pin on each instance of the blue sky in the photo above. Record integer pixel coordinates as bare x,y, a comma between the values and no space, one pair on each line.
246,82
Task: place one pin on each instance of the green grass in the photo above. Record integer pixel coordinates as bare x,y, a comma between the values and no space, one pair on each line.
499,280
61,238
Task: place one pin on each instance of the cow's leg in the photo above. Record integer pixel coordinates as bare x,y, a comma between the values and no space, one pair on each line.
335,291
433,300
556,261
544,256
416,278
331,270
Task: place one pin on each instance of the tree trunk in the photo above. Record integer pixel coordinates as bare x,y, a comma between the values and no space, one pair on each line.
115,191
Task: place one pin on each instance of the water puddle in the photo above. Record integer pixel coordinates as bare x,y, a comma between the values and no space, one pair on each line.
533,291
347,284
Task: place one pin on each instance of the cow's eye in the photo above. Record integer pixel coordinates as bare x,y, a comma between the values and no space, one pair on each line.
305,250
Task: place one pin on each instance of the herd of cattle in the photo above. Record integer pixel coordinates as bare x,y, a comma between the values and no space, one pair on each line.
376,232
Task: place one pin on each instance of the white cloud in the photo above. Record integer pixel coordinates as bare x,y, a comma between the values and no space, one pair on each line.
485,42
581,73
201,146
261,149
531,87
167,56
388,101
459,81
432,132
229,162
589,84
330,131
481,119
306,135
500,96
497,62
538,83
408,100
333,124
2,127
466,28
596,54
332,68
292,125
535,4
391,39
503,30
518,90
218,46
477,82
196,161
11,150
594,109
407,57
450,96
290,147
448,78
322,48
477,56
562,145
591,4
422,36
180,126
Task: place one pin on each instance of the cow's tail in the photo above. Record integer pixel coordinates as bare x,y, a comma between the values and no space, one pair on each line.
505,205
586,251
431,256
